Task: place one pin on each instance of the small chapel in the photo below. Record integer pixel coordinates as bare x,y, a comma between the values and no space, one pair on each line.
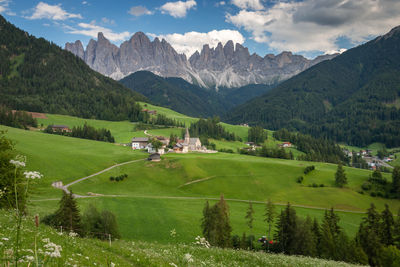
188,144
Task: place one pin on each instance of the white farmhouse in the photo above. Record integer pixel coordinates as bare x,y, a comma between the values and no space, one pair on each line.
140,142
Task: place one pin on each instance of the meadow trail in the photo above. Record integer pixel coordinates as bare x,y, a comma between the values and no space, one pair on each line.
65,187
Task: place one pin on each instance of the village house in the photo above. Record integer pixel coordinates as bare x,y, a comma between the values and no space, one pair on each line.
151,112
285,144
140,142
61,128
154,157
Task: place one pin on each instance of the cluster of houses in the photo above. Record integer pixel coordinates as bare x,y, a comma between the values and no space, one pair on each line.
372,161
188,144
61,128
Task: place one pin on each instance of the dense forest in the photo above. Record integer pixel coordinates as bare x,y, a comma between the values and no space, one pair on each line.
315,149
84,132
353,98
16,119
36,75
211,128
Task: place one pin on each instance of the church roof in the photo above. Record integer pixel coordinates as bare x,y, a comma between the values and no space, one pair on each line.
193,141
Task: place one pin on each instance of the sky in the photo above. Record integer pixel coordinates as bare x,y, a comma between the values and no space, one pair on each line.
306,27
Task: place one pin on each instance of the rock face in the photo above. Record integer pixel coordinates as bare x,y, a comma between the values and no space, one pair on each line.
224,66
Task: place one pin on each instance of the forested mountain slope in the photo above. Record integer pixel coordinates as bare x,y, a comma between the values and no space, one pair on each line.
37,75
354,97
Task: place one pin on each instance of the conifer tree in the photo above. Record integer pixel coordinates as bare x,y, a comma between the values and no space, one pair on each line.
317,234
305,238
249,215
368,236
340,176
206,222
387,227
286,230
222,225
269,218
68,215
396,181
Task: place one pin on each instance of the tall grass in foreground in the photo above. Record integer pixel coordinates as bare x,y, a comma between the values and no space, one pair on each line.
56,249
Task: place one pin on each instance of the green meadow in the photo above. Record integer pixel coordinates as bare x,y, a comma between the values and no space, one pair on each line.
159,197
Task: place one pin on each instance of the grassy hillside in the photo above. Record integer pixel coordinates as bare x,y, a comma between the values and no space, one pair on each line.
90,252
154,198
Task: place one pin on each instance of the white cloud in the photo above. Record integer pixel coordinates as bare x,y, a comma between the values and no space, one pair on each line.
248,4
4,6
53,12
177,9
139,11
92,30
189,42
84,2
316,25
221,3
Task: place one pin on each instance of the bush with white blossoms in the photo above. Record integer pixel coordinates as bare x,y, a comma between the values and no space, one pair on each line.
202,241
33,175
188,257
52,250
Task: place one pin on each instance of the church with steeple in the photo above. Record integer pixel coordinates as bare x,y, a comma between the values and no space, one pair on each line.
188,144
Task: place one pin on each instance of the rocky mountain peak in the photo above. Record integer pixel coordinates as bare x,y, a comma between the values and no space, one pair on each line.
228,65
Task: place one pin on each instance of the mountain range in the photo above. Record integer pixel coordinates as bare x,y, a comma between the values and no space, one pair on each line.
226,65
36,75
353,98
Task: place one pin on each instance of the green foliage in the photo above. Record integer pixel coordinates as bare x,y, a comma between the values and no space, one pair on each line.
215,223
396,180
346,99
250,215
286,230
53,80
257,135
10,175
99,225
211,129
315,149
17,119
309,169
67,216
340,176
85,132
118,178
267,152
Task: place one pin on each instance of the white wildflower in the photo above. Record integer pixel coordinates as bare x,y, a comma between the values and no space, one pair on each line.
5,238
188,257
18,162
1,243
173,264
112,264
2,192
73,234
202,242
53,250
29,258
46,240
33,175
172,233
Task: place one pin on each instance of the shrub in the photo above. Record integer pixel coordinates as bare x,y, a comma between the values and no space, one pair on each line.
373,194
366,186
309,169
300,179
112,178
321,185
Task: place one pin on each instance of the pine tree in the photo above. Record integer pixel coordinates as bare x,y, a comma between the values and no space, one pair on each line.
387,227
286,230
340,176
269,218
305,238
396,181
222,225
317,234
206,222
68,215
368,236
249,215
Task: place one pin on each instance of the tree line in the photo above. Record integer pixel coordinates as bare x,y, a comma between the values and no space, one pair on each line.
268,152
315,149
211,128
16,119
376,243
84,132
102,225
